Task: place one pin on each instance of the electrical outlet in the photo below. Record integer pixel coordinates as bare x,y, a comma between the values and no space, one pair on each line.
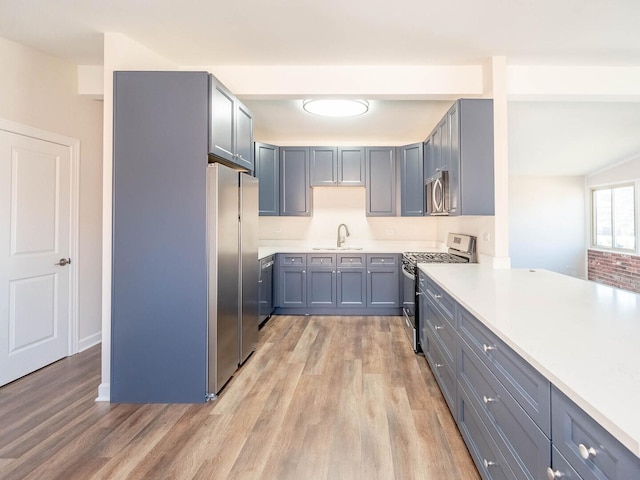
277,230
486,236
389,232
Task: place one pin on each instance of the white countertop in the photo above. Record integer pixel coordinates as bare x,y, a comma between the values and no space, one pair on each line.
292,246
583,336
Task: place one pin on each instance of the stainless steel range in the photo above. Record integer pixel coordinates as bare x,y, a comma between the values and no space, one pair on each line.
461,249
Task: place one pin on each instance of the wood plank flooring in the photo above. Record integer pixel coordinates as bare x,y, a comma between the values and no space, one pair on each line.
321,398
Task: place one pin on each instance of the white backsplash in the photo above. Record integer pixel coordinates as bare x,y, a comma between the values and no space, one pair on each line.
335,205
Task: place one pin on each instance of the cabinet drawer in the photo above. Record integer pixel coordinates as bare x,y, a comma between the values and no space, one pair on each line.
350,260
442,372
561,468
510,426
382,259
442,299
298,259
575,433
488,458
530,389
442,331
321,259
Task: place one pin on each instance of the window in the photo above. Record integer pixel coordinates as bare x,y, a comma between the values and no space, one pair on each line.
614,216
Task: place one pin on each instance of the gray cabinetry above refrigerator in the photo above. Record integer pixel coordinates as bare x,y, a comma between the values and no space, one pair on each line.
230,128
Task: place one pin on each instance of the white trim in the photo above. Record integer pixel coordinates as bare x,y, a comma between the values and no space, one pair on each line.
90,341
74,147
104,393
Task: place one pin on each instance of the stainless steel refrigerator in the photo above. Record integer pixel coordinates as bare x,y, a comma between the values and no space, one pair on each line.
232,230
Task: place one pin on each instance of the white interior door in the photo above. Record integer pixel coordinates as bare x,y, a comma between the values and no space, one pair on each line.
35,222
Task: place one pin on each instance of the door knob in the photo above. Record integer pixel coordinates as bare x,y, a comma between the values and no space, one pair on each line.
63,262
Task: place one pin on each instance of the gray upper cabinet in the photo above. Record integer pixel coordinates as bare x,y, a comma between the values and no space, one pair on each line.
267,170
332,166
412,180
380,181
471,182
324,170
295,191
351,166
230,127
462,144
244,136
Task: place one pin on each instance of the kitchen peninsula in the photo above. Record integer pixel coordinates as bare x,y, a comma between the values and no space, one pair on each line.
582,337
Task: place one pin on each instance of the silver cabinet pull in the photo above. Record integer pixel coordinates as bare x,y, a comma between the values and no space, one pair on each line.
586,452
486,399
553,474
488,348
63,262
488,463
437,296
438,365
439,327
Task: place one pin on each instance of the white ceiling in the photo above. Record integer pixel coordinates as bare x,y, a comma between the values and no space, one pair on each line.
545,138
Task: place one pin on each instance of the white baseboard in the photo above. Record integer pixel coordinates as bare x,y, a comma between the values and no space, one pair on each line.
90,341
104,393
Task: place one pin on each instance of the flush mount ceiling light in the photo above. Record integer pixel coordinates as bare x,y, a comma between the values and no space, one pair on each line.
336,107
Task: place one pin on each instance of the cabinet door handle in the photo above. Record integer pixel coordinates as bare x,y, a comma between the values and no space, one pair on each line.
304,271
586,452
488,463
439,327
438,365
488,400
437,296
553,474
488,348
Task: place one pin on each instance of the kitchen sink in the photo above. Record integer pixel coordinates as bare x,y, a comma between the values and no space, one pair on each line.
337,248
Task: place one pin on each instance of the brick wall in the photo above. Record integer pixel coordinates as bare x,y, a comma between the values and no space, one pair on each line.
615,269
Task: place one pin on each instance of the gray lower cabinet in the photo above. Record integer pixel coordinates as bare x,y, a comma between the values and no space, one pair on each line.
295,191
412,188
291,286
351,280
586,446
265,307
321,280
515,423
380,181
267,171
384,280
344,283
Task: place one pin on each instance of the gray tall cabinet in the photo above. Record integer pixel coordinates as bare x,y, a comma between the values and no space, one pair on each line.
159,286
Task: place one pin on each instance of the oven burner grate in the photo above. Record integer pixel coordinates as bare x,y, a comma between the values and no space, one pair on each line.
411,259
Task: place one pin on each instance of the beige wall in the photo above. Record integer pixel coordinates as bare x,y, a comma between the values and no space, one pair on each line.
40,91
624,172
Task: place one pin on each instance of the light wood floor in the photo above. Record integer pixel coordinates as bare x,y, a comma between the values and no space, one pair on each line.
321,398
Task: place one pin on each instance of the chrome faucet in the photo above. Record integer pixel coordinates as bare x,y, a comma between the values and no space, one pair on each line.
341,240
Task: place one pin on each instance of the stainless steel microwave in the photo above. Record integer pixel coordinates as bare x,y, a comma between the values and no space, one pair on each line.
437,193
